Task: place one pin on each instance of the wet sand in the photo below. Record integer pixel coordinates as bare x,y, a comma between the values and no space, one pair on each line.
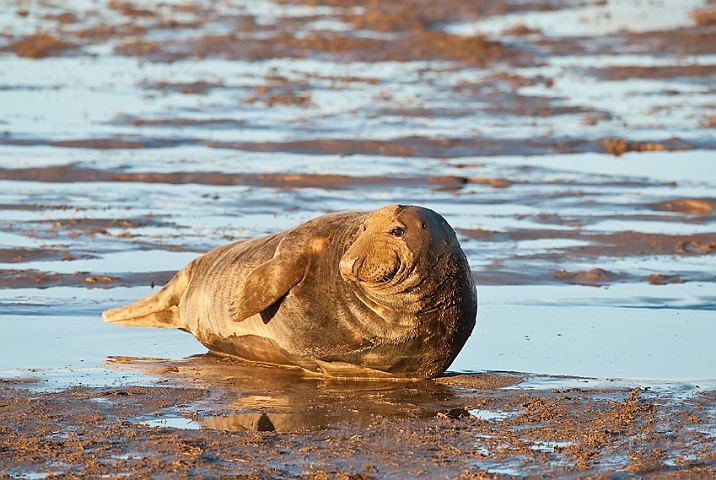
573,154
215,417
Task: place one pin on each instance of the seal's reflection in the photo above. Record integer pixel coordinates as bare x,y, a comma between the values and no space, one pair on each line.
259,422
258,398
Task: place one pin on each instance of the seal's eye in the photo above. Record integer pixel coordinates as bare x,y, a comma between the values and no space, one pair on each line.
423,225
397,232
364,227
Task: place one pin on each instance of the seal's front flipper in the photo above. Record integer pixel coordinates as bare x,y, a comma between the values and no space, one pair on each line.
270,281
160,310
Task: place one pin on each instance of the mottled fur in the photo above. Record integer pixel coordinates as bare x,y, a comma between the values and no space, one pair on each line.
384,293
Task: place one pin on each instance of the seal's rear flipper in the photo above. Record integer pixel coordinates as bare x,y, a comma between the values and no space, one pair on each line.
169,318
160,310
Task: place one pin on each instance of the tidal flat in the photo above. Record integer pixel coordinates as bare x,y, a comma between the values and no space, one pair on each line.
570,144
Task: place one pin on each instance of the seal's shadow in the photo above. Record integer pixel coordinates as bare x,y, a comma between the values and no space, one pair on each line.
271,311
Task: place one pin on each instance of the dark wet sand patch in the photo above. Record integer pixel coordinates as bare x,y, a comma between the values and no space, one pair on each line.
689,206
102,224
129,9
680,41
526,274
539,107
482,381
414,30
40,45
72,173
18,381
708,121
421,112
683,41
421,44
412,146
694,40
377,431
627,72
112,143
521,269
36,207
392,15
663,279
594,278
20,254
104,32
199,87
62,18
676,211
460,147
704,17
617,244
227,123
29,278
272,95
619,146
89,227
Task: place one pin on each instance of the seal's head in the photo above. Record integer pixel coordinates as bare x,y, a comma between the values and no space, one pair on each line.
397,250
407,266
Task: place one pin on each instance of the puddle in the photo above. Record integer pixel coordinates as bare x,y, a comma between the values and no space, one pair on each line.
255,398
494,416
262,422
549,446
171,422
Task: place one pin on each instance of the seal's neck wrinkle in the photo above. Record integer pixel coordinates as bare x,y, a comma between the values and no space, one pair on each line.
394,326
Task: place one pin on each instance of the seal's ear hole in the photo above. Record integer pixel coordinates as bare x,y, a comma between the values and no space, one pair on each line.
364,227
423,225
397,232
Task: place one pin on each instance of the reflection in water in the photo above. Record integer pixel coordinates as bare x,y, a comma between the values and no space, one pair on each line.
261,422
261,398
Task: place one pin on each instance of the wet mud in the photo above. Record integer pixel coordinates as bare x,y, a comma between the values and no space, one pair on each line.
399,147
623,73
73,174
213,418
617,244
29,278
41,45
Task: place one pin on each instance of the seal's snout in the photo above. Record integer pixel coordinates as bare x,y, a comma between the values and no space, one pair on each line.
350,266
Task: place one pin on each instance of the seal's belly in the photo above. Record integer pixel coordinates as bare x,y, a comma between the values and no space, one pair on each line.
316,319
298,325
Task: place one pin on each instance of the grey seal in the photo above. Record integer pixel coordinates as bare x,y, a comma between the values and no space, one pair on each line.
387,293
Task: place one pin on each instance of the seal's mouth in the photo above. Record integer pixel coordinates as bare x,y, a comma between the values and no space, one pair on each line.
373,270
390,275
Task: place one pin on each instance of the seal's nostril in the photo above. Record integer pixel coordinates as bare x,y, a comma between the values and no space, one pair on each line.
356,264
350,266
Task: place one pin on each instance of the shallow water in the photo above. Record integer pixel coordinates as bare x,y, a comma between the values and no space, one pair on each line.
88,226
